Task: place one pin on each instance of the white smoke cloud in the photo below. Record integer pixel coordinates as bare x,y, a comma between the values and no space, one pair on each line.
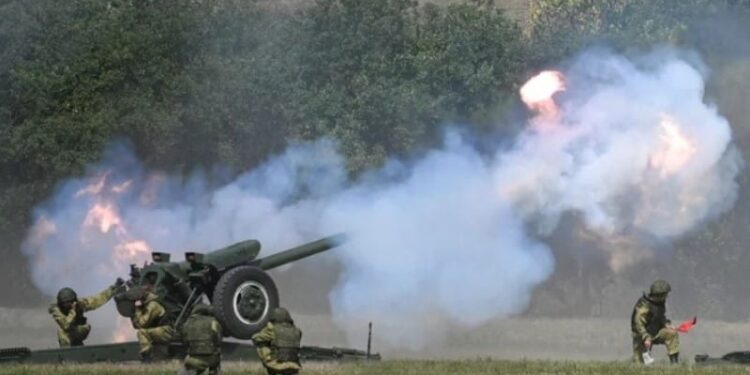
438,246
616,157
437,241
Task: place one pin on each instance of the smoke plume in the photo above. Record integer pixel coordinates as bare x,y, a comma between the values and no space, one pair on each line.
455,237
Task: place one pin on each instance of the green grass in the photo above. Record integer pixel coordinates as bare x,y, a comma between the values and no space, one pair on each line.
396,368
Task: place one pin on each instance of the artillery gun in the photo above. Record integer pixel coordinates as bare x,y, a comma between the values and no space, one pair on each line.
233,279
235,282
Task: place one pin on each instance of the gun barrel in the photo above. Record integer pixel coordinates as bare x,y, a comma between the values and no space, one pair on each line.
302,251
238,253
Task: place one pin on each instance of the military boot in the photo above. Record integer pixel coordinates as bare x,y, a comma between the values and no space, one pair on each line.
146,357
160,352
674,358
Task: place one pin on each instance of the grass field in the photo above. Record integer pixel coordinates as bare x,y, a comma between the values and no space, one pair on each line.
398,367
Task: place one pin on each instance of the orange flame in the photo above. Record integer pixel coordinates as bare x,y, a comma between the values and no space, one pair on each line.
132,250
123,332
104,216
538,93
121,188
94,188
675,150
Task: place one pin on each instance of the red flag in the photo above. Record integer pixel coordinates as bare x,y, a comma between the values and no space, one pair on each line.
687,325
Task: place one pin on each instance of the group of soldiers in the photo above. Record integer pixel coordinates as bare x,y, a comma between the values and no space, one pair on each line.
277,343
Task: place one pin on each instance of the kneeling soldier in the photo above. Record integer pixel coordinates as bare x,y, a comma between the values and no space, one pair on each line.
202,334
650,326
278,344
68,313
151,321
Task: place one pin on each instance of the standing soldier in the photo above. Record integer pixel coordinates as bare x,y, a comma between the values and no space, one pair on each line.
68,313
202,334
278,344
650,326
151,321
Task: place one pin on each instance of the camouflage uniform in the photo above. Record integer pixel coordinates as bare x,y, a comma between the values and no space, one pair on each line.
73,325
649,323
202,334
278,344
152,324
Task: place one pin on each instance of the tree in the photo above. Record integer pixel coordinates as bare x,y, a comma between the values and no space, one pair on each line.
558,28
468,56
380,76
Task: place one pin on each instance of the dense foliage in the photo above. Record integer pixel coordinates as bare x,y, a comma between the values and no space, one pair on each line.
227,82
200,83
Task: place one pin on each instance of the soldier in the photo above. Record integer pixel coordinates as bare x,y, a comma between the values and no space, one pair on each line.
202,334
278,344
68,313
650,326
151,321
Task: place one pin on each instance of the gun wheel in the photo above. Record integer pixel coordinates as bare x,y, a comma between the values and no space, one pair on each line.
243,299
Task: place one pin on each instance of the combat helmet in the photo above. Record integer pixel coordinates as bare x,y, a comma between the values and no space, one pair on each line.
280,315
659,287
66,295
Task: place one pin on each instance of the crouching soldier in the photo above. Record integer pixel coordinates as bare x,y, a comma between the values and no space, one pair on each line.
278,344
69,311
650,326
202,334
151,321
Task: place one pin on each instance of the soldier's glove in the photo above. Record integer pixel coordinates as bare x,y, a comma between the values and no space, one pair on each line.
119,282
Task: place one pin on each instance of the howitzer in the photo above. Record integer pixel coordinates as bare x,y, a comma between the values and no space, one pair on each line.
233,279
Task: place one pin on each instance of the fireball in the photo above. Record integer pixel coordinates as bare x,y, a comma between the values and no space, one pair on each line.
103,216
538,93
675,148
130,251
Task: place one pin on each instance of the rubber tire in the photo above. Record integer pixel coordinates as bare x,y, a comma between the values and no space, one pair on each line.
223,303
